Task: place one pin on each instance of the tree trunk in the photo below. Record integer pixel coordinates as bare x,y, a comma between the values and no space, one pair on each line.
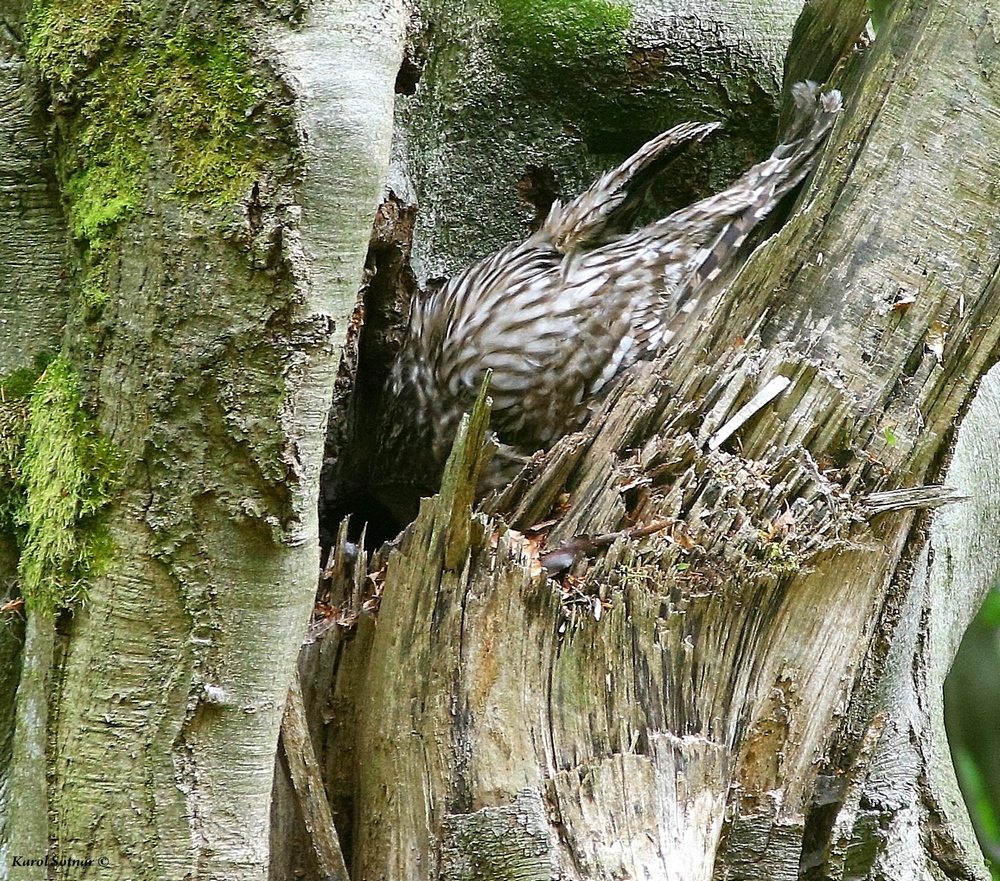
748,687
218,201
752,689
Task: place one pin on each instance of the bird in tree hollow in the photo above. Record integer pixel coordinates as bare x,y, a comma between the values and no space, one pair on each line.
559,316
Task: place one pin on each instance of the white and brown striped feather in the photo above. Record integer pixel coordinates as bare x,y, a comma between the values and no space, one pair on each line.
560,315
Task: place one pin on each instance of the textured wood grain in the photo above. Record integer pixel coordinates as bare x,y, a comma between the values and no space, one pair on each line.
721,698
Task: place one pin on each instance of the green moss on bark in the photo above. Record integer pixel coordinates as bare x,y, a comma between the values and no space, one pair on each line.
57,472
15,414
565,32
131,91
13,432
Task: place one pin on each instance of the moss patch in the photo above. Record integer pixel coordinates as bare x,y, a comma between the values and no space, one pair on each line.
574,55
208,97
15,413
56,474
133,89
566,33
13,432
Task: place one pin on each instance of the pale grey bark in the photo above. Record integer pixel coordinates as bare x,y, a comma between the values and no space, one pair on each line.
25,814
912,766
215,372
910,794
341,63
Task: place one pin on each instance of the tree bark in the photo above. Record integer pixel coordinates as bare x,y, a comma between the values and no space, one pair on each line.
754,690
218,203
749,690
33,304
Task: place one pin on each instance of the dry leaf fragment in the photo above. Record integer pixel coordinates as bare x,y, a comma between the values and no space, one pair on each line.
782,525
937,333
903,301
680,537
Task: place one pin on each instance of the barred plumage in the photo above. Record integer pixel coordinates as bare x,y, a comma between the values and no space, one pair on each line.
560,315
